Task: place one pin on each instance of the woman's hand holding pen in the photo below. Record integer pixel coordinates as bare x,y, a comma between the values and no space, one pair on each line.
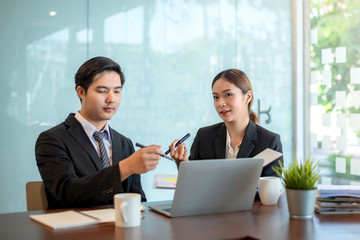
180,153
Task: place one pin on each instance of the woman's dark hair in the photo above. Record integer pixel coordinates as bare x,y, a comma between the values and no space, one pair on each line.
85,75
240,80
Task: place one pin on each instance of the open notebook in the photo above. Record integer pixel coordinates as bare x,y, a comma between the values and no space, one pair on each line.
67,219
60,220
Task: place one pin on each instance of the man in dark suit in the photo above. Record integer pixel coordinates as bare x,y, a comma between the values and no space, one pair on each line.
81,169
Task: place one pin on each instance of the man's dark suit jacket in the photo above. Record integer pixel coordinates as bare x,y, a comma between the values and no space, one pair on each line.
210,143
71,168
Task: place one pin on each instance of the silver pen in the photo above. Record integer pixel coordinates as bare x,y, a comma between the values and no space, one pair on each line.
142,146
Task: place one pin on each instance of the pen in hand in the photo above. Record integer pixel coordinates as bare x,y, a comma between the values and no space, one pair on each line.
142,146
179,142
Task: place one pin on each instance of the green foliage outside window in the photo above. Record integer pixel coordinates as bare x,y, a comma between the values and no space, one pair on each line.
338,25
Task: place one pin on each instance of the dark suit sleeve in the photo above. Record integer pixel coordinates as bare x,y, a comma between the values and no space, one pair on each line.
133,182
276,145
73,183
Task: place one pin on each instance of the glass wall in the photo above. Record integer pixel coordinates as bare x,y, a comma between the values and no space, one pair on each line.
169,51
39,56
335,90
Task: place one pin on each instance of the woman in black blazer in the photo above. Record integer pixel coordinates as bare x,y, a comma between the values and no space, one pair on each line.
239,135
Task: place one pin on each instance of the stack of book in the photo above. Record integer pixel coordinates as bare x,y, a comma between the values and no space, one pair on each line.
338,199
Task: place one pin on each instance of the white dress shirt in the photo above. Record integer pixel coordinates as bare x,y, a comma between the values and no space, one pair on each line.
230,152
90,129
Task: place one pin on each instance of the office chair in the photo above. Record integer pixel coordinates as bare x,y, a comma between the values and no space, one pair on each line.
35,196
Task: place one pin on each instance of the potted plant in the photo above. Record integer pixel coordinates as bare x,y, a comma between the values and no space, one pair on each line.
300,181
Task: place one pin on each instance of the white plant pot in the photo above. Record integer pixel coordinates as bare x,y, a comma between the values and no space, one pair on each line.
301,203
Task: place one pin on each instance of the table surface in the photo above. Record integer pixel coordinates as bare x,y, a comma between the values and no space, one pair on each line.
262,222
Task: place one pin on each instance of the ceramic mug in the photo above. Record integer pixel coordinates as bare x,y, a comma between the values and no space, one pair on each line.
270,189
127,209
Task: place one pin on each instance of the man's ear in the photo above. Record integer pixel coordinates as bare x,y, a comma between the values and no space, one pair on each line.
80,92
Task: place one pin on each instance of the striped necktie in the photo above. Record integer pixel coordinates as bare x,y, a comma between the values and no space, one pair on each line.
99,137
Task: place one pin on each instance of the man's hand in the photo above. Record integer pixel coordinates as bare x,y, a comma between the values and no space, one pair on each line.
141,161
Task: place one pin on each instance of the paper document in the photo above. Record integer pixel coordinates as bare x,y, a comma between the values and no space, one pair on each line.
166,181
326,191
335,211
104,215
65,219
268,155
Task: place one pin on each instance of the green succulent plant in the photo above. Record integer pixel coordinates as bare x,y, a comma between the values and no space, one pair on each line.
299,176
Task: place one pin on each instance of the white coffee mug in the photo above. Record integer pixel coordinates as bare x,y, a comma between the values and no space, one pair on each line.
270,189
127,209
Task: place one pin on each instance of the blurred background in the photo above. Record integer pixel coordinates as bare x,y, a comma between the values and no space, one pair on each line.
170,50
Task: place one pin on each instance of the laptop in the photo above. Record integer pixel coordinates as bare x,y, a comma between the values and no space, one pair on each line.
213,186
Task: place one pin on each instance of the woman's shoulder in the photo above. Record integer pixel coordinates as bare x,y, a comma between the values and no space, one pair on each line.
212,128
261,131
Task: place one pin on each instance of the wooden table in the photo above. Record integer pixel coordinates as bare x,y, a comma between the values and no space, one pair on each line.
262,222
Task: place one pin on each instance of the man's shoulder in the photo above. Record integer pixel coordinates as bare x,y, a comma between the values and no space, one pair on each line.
56,128
61,127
